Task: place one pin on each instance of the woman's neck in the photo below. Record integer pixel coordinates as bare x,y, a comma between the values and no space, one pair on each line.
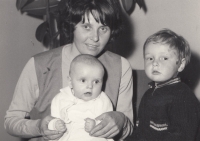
72,51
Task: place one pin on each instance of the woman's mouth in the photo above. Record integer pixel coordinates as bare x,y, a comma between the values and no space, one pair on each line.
92,47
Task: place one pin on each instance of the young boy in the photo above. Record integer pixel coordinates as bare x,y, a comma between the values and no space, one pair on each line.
169,110
77,106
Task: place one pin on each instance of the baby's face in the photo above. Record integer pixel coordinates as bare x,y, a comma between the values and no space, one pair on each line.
86,81
160,62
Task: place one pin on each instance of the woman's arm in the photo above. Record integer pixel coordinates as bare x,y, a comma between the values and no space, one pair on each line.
125,98
25,95
24,98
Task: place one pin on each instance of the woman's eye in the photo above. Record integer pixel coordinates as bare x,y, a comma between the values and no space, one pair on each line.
86,27
104,29
82,80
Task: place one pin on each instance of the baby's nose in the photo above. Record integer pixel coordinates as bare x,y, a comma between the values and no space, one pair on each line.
89,85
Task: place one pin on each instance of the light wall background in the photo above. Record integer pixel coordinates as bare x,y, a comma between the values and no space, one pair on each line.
18,43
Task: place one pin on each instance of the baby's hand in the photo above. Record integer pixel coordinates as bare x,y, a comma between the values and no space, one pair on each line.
60,125
57,124
89,124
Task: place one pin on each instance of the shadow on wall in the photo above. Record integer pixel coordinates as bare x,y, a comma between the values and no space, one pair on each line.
125,44
191,74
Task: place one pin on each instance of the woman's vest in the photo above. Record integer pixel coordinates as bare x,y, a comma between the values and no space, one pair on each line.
49,75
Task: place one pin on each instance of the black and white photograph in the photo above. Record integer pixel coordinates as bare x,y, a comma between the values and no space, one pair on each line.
100,70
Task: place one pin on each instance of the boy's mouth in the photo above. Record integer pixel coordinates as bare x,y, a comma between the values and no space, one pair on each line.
155,72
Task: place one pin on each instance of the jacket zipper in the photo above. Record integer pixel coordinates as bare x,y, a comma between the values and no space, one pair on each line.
154,90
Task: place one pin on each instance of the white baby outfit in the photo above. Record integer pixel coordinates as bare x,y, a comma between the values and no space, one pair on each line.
73,111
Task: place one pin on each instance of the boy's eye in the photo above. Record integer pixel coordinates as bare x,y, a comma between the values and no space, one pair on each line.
163,58
149,58
82,80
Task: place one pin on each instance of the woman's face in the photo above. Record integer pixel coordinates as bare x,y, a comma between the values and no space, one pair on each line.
90,37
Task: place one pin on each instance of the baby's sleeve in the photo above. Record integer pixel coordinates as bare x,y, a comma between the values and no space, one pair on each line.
55,107
105,104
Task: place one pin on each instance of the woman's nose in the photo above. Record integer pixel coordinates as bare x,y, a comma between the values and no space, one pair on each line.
95,36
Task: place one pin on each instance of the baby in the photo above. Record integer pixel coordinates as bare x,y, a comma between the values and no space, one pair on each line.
77,105
169,110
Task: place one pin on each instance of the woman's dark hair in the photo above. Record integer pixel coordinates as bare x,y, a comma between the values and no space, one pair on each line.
73,11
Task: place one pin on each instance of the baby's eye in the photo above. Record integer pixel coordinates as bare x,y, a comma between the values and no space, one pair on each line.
82,80
96,81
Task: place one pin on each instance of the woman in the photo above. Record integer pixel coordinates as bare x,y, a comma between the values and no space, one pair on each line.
88,26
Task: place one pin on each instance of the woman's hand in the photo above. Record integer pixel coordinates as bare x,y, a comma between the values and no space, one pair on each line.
46,133
111,124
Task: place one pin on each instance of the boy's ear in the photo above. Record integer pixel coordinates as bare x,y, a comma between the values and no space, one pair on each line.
182,65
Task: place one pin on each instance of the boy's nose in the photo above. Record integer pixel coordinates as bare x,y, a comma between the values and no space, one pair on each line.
155,63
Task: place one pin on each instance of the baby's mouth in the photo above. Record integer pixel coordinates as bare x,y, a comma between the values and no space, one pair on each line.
88,94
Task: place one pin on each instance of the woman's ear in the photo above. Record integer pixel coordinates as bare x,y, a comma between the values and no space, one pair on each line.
182,65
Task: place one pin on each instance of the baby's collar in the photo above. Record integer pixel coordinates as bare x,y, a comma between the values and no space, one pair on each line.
162,84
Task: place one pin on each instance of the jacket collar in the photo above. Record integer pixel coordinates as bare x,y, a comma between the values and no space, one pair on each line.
162,84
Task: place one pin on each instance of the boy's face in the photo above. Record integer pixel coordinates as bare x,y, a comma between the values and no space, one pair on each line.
86,81
161,62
